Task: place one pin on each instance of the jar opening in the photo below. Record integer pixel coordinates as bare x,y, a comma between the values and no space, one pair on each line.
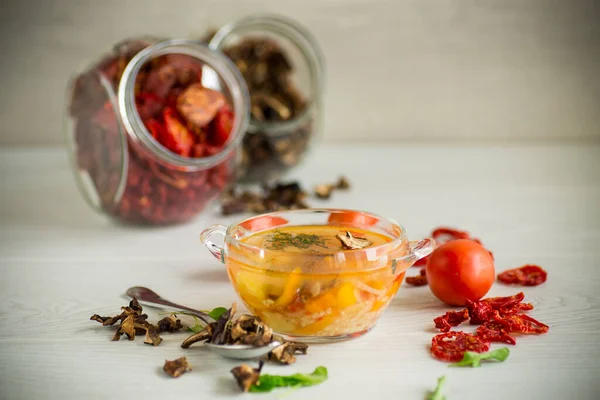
294,43
218,73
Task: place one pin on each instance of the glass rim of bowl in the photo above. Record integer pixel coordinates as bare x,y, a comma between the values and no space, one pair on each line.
395,245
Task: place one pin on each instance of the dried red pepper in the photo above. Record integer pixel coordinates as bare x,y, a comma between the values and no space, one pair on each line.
154,192
418,280
527,275
452,318
451,346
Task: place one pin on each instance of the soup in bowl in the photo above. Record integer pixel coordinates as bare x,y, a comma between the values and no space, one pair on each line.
316,275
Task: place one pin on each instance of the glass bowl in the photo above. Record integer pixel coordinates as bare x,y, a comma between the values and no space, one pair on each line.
308,295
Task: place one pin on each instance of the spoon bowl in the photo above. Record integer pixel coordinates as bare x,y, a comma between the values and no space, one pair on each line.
241,351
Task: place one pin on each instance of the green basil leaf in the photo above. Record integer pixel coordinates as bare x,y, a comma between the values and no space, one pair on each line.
437,393
217,312
472,359
267,382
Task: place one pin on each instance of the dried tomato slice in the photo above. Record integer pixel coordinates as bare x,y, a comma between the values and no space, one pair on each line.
527,275
479,312
504,302
521,323
516,309
221,126
149,105
178,138
452,318
492,331
157,130
451,346
417,280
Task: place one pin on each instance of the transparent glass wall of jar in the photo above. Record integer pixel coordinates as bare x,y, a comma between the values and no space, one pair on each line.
284,71
134,157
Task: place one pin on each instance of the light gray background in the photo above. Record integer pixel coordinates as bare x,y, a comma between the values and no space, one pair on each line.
430,70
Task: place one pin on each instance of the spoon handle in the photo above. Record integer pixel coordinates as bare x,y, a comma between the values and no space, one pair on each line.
147,297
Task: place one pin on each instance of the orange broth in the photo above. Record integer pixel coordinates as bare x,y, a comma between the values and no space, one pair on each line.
301,285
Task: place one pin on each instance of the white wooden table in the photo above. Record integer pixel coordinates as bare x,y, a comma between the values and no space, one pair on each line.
60,263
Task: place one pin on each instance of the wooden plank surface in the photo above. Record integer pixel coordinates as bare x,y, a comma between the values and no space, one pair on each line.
429,70
61,263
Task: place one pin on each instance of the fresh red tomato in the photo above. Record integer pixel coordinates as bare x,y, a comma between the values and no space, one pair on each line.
261,223
459,270
352,218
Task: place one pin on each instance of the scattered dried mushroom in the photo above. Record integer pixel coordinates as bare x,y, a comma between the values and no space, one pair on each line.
247,329
133,322
285,354
352,242
278,197
178,367
324,191
246,376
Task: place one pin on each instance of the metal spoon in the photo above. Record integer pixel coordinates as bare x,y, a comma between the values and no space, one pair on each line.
147,297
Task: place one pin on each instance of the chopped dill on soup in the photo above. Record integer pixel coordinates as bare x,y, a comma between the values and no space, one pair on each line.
311,239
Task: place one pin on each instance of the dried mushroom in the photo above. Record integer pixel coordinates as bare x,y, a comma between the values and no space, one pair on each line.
169,324
133,322
177,367
246,376
285,353
274,97
342,183
324,191
152,336
353,243
222,331
246,329
278,197
202,336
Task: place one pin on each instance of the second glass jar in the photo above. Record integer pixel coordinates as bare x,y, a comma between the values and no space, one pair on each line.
284,69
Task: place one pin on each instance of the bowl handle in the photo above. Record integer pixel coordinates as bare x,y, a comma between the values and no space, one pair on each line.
418,249
214,248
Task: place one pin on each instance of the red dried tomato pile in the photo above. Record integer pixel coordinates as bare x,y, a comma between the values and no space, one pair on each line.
499,319
180,114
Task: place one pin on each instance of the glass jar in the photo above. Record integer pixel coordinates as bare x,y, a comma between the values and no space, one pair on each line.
283,68
134,157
